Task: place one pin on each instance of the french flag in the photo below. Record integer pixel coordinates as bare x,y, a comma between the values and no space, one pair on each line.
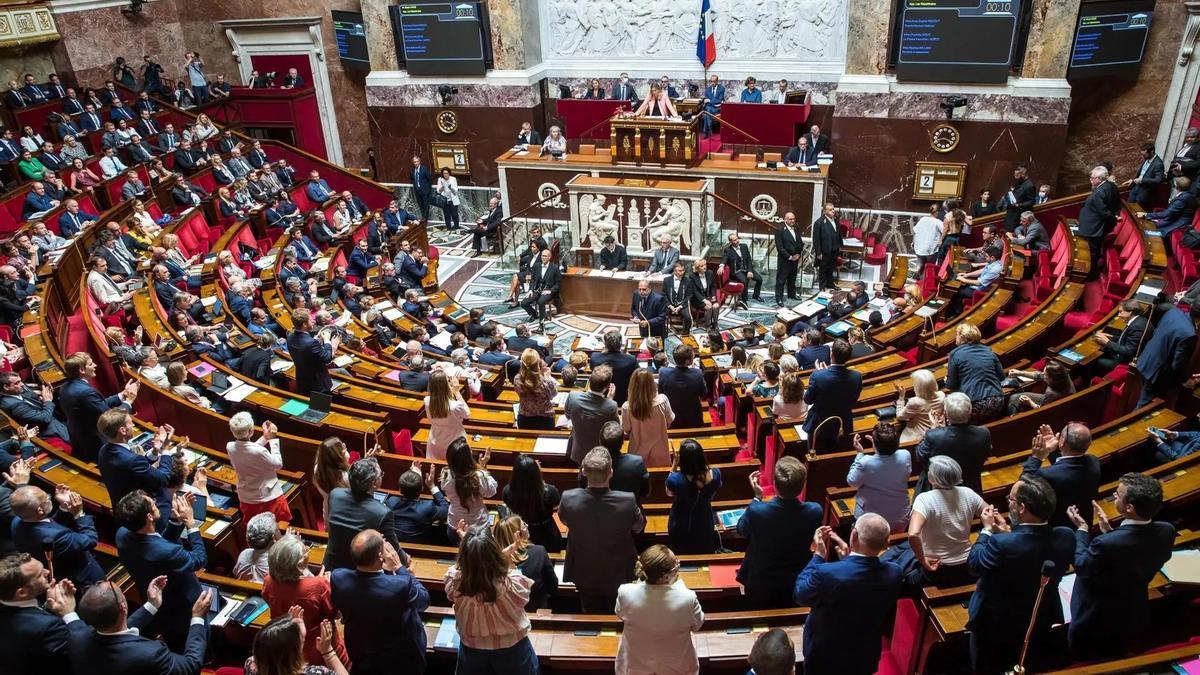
706,42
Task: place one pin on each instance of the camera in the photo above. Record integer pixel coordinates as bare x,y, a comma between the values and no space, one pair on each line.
949,103
135,7
447,92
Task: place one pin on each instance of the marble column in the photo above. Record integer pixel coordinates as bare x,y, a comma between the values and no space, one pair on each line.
1051,34
380,43
867,37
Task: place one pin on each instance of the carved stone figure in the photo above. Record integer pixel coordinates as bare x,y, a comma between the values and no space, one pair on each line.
673,220
600,221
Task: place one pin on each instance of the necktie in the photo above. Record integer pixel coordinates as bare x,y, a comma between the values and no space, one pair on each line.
150,127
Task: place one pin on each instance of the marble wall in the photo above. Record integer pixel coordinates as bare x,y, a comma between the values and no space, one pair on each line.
94,38
37,60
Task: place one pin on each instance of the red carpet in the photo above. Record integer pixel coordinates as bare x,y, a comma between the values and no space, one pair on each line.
710,144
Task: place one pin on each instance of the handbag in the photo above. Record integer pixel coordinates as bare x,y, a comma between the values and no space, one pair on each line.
886,414
438,200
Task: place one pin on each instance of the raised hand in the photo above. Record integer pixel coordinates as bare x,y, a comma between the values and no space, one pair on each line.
325,637
1077,518
154,590
296,613
754,485
1101,518
200,607
60,598
18,472
821,541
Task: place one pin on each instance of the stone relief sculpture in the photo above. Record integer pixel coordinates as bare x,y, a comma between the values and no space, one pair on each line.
600,221
809,30
673,220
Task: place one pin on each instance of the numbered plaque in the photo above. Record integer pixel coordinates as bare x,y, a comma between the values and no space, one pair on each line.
453,155
939,180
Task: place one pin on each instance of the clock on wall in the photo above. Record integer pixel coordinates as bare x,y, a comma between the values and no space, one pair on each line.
447,122
944,138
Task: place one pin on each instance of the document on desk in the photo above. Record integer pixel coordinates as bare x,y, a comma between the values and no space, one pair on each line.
441,340
393,314
550,446
279,365
1183,567
343,360
239,393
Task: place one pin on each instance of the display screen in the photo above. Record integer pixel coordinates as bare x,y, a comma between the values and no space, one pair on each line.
351,39
955,40
1110,37
442,38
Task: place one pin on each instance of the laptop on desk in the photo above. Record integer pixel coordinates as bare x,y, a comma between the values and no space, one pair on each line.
220,382
318,407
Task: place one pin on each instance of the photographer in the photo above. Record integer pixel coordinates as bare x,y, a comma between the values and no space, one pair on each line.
152,77
194,70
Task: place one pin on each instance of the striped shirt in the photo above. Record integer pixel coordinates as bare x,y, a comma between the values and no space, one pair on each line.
491,625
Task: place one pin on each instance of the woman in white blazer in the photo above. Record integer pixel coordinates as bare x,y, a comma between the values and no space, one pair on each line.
659,614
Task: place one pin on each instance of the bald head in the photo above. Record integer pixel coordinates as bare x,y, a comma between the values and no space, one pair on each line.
870,535
30,503
366,550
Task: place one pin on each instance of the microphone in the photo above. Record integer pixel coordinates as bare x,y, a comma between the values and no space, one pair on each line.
1047,571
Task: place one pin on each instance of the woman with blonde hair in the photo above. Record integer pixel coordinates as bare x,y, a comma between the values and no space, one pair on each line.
204,129
659,614
532,559
289,583
657,104
913,294
177,379
779,331
645,418
923,410
789,402
170,242
446,410
536,388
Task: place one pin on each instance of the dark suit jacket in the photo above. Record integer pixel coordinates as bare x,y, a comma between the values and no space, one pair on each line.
124,471
1009,566
1167,354
413,381
148,556
623,365
826,238
550,282
381,615
686,392
966,444
832,392
29,409
415,518
256,364
709,292
677,294
852,601
795,156
787,244
347,517
312,358
531,138
1112,572
617,259
1098,215
601,551
819,143
1127,342
421,180
71,539
808,356
1075,481
1189,163
33,641
411,272
779,536
739,260
82,405
653,308
134,654
1178,213
624,92
1143,193
1024,193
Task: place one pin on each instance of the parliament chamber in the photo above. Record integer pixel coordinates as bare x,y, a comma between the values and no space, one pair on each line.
335,345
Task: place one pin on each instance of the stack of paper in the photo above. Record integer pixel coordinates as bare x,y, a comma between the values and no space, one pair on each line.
550,446
279,365
239,393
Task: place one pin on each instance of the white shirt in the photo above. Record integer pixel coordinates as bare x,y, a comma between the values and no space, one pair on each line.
658,624
926,235
256,464
444,430
475,513
103,288
777,96
111,166
947,529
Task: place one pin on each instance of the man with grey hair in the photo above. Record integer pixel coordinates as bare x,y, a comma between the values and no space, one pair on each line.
601,551
1098,216
1074,474
261,531
851,600
1187,159
354,509
967,444
1030,234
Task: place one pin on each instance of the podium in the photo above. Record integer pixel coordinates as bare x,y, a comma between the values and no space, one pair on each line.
655,141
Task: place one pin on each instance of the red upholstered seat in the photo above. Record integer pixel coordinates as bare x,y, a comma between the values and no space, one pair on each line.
726,288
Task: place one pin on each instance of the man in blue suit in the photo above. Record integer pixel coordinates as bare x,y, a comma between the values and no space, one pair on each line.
812,350
396,218
1150,174
422,186
65,531
832,392
1179,211
111,643
146,555
852,599
1074,474
37,201
623,363
714,96
82,404
240,300
495,352
381,602
33,638
125,471
1109,608
685,389
311,356
411,266
318,189
29,407
1165,361
649,311
1009,563
74,219
415,518
778,533
361,261
89,120
801,154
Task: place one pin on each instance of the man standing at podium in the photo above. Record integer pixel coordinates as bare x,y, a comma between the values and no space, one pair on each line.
827,245
714,95
788,248
648,311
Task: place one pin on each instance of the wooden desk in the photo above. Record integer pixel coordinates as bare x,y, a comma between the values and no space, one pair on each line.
600,295
654,140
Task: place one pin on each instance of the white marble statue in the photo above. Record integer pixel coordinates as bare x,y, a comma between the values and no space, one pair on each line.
600,220
673,220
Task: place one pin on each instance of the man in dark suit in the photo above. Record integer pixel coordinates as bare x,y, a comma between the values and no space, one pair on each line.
649,311
33,638
1030,234
415,518
624,91
601,551
31,408
629,470
588,411
851,600
677,292
1009,562
354,509
827,246
685,389
832,393
779,535
103,640
1186,161
801,154
1150,174
789,247
622,363
1109,609
714,96
966,444
486,225
1074,475
528,135
741,267
818,141
1165,361
1098,216
89,121
57,527
1179,211
82,405
422,186
1019,198
14,99
396,218
543,287
311,356
411,266
1127,343
146,555
612,256
124,470
812,349
71,104
186,159
380,601
416,376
